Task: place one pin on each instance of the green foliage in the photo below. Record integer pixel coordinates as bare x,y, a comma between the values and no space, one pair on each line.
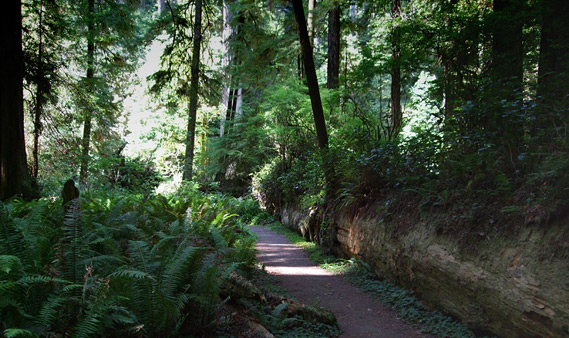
119,265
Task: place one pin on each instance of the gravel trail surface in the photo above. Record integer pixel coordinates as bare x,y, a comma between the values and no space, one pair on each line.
358,314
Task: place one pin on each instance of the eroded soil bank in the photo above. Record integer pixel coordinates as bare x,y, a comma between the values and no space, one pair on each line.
515,286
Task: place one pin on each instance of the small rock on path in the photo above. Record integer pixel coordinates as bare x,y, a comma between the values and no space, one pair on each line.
358,314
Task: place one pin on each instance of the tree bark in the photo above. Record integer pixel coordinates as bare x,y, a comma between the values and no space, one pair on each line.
310,22
396,114
225,61
38,109
553,74
326,236
311,79
507,52
88,119
15,179
193,94
161,5
333,70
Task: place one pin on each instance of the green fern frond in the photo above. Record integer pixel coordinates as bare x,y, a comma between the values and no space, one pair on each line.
14,305
6,302
277,311
12,241
7,286
176,270
49,311
218,239
39,279
103,260
221,218
19,333
72,287
165,241
89,325
132,273
9,263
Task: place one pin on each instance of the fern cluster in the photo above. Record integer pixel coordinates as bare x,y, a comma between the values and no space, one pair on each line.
117,265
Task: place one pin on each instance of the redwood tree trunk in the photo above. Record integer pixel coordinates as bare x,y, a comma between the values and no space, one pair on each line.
311,79
396,114
507,49
38,109
193,94
15,178
333,47
88,119
554,53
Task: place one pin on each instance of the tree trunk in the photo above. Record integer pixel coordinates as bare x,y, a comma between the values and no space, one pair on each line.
15,179
311,79
396,114
333,47
507,49
445,54
311,6
38,109
553,82
161,4
326,236
225,61
193,94
86,140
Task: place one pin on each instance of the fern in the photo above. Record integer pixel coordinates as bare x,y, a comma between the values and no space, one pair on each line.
221,218
19,333
71,240
131,273
218,239
49,311
9,263
176,271
90,324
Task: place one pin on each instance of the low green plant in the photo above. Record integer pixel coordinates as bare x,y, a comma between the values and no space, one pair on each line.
119,264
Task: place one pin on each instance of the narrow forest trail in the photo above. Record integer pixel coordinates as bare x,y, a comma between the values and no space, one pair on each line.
358,314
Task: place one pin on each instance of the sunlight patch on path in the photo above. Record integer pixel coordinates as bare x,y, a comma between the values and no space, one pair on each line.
358,314
297,271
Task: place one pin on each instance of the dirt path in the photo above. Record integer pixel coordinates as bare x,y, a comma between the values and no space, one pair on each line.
358,314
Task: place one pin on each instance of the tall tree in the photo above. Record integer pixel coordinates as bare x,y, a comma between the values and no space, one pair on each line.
396,113
310,21
507,52
193,92
15,178
553,83
314,92
43,28
233,42
227,32
333,46
311,79
88,113
40,95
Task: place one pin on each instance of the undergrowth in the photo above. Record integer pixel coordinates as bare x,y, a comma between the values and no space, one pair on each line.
116,264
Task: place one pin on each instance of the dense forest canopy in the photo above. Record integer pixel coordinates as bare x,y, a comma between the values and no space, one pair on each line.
433,99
